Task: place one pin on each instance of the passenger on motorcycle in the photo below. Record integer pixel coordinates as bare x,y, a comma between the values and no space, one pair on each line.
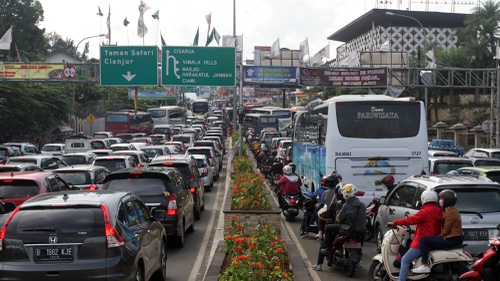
352,212
277,166
328,197
451,230
262,157
288,184
428,221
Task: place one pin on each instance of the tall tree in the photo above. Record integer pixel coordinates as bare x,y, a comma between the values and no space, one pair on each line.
24,16
480,35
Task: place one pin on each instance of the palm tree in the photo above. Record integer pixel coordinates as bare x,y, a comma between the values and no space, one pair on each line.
481,34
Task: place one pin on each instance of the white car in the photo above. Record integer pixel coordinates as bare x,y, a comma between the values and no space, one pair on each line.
206,172
53,149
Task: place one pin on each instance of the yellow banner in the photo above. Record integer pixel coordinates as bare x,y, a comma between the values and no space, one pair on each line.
31,71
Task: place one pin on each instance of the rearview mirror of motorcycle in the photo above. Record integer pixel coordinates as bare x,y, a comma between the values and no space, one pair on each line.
498,226
378,182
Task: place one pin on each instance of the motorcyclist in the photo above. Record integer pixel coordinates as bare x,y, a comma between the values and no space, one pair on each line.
277,166
388,182
329,182
451,230
428,221
352,212
288,184
263,156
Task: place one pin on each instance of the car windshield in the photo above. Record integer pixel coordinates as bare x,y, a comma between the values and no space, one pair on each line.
152,152
18,188
477,199
494,176
441,168
21,160
74,159
112,165
139,186
4,152
74,177
51,148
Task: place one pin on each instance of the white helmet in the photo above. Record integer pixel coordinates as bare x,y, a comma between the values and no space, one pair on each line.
287,170
428,196
349,190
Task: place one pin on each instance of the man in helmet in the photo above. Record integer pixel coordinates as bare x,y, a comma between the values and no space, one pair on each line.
388,182
352,212
328,198
288,184
451,230
428,221
277,166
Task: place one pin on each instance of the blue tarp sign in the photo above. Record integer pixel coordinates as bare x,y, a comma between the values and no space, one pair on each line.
271,75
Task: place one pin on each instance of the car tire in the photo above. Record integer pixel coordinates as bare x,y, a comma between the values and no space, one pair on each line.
191,228
161,273
179,239
139,274
197,211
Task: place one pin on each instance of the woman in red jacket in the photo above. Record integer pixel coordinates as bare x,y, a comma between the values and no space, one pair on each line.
428,221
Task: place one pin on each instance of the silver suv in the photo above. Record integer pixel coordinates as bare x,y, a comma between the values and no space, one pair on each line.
478,203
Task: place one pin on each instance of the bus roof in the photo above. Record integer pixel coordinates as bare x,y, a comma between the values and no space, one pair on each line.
362,98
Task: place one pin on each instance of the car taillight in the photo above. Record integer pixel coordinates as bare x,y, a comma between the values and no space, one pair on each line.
205,170
172,206
113,239
93,187
213,159
192,190
293,201
422,173
139,165
4,228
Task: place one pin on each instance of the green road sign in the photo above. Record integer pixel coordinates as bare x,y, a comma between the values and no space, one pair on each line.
129,65
198,66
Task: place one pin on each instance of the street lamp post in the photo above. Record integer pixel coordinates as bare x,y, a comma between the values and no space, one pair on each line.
424,44
73,116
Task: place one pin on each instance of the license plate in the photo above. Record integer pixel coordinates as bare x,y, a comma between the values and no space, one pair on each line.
54,253
356,245
475,234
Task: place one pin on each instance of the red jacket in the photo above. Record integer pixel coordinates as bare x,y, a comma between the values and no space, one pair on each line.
289,184
428,221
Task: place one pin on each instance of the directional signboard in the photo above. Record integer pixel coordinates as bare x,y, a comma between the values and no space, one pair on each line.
198,66
129,65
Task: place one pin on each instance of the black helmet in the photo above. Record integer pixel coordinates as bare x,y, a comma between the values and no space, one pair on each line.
331,180
449,198
388,181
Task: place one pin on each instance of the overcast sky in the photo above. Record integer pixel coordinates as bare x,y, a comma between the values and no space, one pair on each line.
261,22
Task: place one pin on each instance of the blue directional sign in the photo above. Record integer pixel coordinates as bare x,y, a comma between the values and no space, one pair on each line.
129,65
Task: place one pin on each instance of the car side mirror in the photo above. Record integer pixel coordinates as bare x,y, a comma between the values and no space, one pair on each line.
381,199
159,214
9,207
418,204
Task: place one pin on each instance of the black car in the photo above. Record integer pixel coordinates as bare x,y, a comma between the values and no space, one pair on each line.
83,235
162,188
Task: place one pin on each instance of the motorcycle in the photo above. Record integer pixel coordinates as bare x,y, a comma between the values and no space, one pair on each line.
371,213
447,264
308,206
290,207
486,265
346,253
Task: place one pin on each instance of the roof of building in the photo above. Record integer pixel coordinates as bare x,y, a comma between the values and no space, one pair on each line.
377,17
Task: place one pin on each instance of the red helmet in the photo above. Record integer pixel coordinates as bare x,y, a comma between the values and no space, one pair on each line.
388,181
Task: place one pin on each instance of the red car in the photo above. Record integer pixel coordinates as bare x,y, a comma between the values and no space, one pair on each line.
18,187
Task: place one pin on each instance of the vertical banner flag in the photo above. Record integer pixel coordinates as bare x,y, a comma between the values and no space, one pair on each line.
323,53
108,25
99,13
304,50
142,30
275,49
6,39
216,36
209,21
210,38
163,43
125,22
196,37
156,15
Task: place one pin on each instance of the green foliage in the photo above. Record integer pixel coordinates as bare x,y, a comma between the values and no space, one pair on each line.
24,16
